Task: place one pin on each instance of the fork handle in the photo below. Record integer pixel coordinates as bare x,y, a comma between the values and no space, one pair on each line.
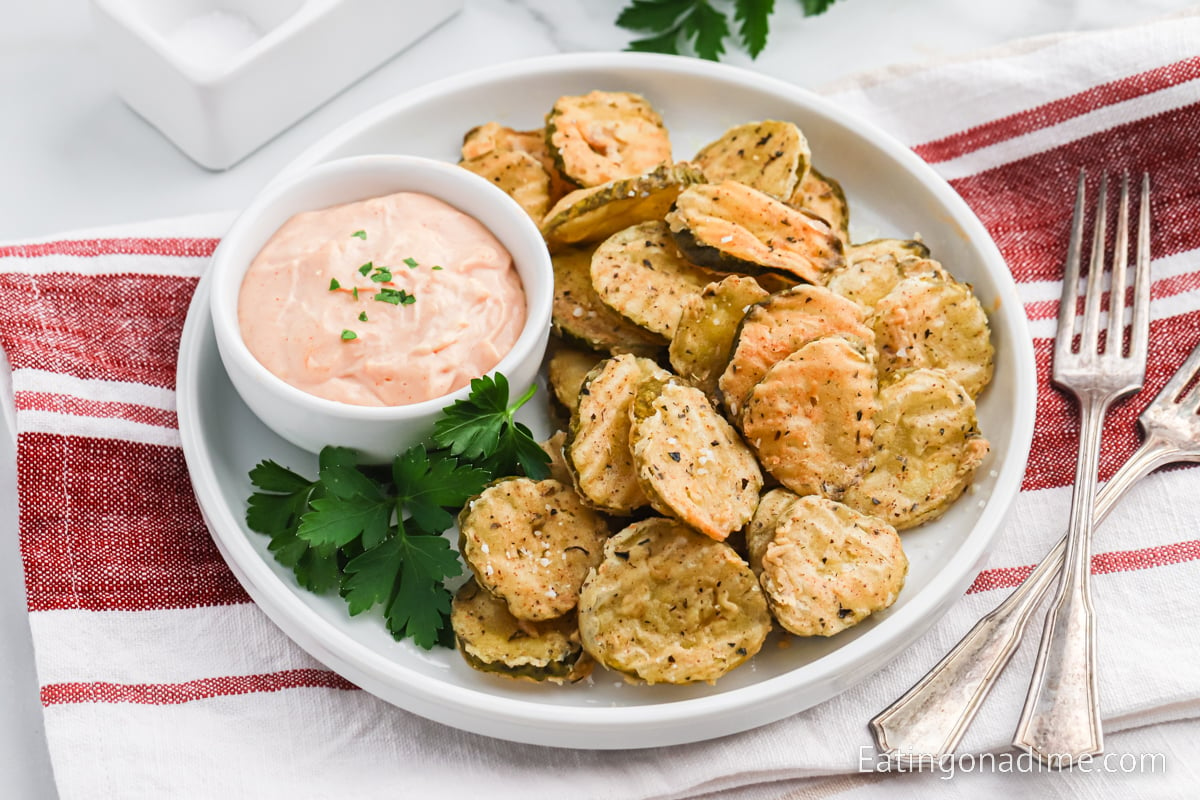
1060,722
930,719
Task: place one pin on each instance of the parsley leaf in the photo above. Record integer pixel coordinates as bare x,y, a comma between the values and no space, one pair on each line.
359,234
704,23
374,534
482,429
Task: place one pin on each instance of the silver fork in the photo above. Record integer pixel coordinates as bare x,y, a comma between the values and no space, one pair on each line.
930,719
1060,722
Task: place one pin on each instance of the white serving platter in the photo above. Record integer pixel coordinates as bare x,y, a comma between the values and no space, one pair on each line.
891,193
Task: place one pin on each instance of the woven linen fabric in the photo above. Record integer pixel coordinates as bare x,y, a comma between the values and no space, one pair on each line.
159,677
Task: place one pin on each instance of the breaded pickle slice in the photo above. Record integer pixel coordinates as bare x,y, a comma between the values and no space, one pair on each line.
520,175
493,640
770,156
933,323
639,273
824,197
595,213
602,136
565,370
772,507
866,281
690,461
829,567
732,227
898,249
492,137
781,325
531,544
558,465
578,315
927,446
597,448
669,605
708,322
811,418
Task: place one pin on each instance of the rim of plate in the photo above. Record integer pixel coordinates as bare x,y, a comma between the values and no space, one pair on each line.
362,665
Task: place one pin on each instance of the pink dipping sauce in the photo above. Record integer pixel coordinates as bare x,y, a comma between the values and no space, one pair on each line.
465,317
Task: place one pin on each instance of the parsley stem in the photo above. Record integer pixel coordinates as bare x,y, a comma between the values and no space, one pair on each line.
523,399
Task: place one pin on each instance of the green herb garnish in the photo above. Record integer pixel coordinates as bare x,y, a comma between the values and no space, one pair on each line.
348,335
360,234
435,267
411,262
382,275
375,535
365,268
354,292
704,24
362,316
334,285
397,297
483,430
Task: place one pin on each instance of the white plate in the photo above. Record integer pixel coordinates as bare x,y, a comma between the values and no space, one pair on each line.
891,192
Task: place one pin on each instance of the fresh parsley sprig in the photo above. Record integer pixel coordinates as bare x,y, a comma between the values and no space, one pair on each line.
375,535
704,24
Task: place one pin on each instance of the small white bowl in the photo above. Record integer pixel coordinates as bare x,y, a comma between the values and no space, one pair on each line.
377,433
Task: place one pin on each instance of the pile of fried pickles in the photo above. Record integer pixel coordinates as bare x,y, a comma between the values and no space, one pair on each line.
753,406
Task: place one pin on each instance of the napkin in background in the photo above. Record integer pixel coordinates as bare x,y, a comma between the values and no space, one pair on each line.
160,678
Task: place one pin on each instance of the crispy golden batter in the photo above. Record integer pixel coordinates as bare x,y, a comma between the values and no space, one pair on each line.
731,227
669,605
771,156
520,175
578,315
779,326
935,323
595,213
897,249
597,448
690,461
707,324
531,543
558,465
828,567
639,273
771,508
603,136
566,368
493,640
824,197
811,419
927,446
866,281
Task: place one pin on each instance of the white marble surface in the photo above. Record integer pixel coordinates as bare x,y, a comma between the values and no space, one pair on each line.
73,156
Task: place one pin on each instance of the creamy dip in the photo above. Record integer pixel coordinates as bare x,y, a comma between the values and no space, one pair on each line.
456,301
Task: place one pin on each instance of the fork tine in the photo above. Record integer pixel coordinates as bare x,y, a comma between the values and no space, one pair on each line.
1070,287
1140,322
1090,334
1116,294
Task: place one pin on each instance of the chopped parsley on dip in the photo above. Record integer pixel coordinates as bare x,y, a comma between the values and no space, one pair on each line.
383,302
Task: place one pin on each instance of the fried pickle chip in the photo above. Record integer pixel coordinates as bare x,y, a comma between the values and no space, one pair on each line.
939,324
595,213
898,249
603,136
927,446
493,640
565,370
811,418
771,508
829,567
639,273
703,336
779,326
669,605
824,197
531,544
771,156
597,448
520,175
690,461
578,315
558,465
868,280
731,227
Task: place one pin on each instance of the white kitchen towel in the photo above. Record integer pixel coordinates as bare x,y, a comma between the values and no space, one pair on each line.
159,677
